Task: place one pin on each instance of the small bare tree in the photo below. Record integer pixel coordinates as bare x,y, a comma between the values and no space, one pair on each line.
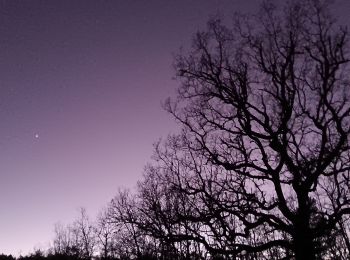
105,232
85,234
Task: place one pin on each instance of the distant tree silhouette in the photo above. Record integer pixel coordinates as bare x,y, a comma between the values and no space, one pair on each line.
106,232
66,242
132,240
78,240
84,231
6,257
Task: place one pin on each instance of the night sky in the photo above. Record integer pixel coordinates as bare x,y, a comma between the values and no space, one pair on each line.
81,86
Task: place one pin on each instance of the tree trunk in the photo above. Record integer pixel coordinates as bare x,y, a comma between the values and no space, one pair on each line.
304,246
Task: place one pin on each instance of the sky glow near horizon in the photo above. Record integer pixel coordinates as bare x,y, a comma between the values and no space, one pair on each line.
80,102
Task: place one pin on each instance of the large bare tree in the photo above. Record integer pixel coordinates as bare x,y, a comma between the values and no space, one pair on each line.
266,101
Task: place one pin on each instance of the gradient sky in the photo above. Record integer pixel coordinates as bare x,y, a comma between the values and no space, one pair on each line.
81,86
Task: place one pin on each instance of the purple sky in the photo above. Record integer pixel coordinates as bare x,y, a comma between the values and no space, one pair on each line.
81,83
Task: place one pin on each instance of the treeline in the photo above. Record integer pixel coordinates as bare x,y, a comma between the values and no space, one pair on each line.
39,255
179,213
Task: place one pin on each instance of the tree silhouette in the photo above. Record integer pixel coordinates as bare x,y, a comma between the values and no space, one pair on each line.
85,234
105,232
265,108
261,169
6,257
76,241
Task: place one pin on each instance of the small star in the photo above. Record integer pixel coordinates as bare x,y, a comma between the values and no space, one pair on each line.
36,136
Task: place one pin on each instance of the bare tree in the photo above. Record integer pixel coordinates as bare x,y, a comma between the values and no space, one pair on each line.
124,214
85,234
65,242
151,219
266,103
61,240
105,232
210,204
161,208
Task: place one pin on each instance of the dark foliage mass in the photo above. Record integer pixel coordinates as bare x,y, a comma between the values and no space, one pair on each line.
261,168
